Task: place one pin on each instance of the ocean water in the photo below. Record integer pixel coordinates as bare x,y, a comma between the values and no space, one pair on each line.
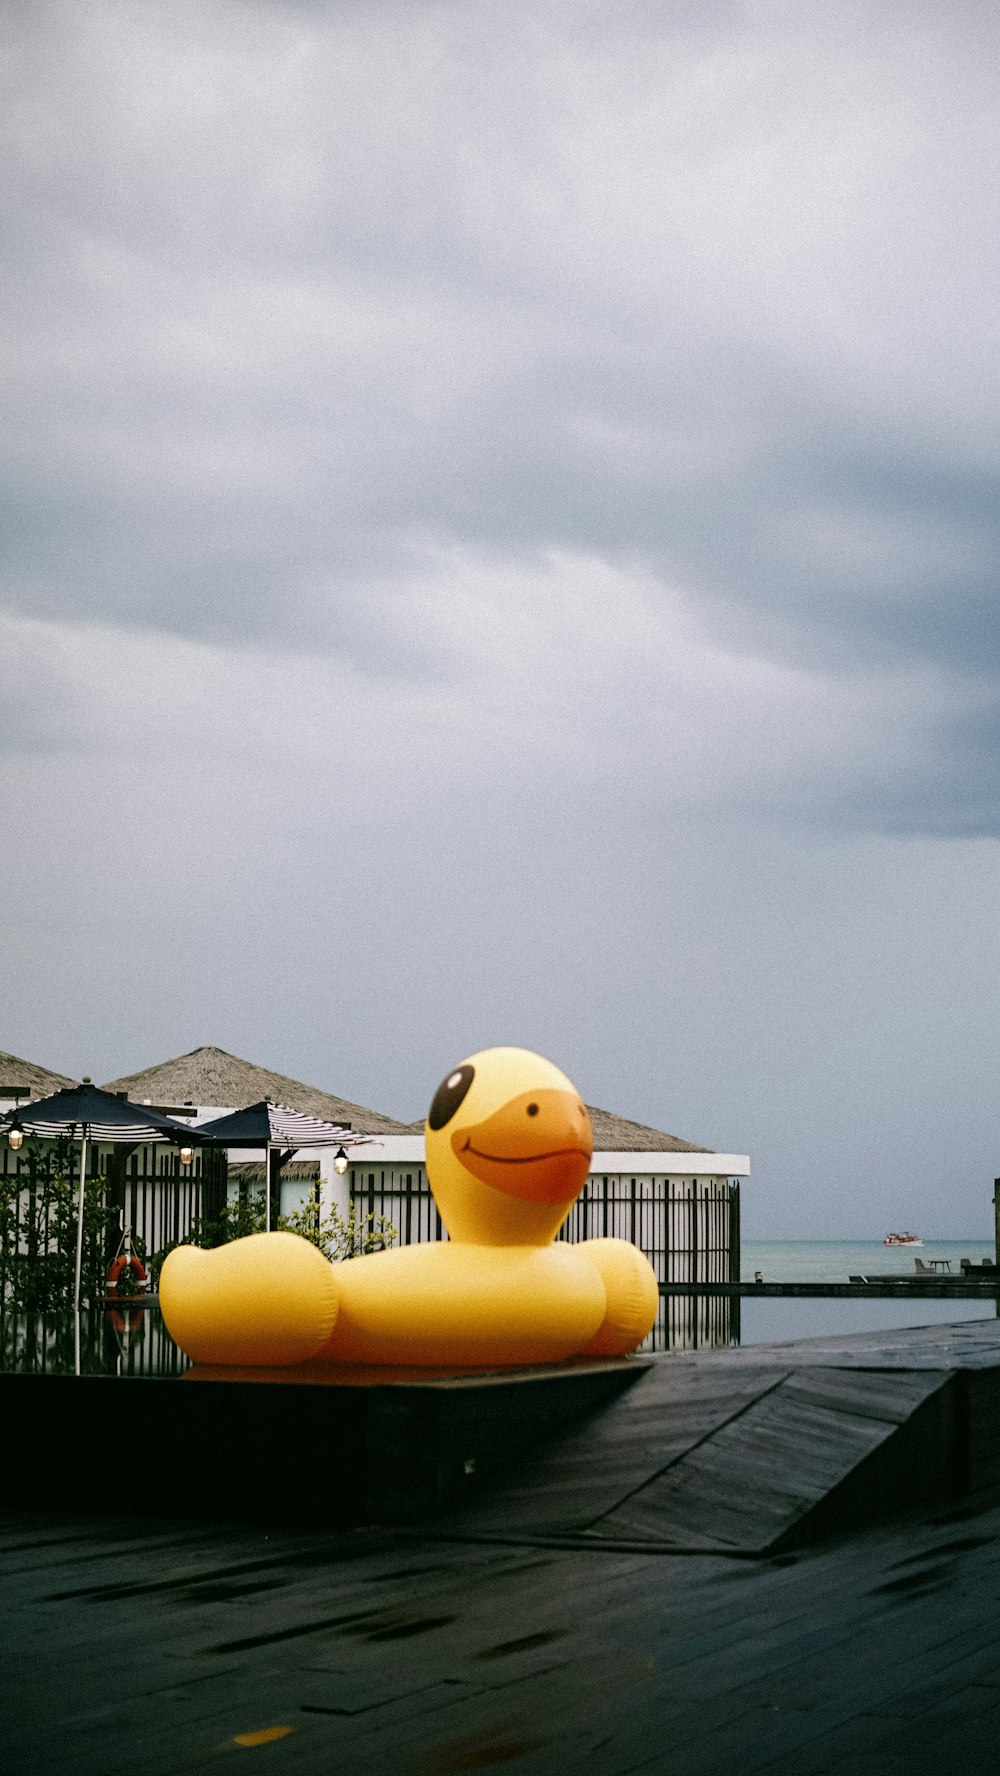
835,1261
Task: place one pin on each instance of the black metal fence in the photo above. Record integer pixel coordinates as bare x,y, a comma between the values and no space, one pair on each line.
154,1195
403,1197
689,1228
162,1199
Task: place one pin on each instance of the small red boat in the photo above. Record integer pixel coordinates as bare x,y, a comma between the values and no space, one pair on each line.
902,1239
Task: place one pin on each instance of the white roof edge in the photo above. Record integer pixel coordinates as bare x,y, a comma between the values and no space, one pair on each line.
695,1165
388,1150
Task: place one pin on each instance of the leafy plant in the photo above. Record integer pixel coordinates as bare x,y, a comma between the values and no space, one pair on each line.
38,1230
38,1227
335,1234
128,1284
340,1236
234,1220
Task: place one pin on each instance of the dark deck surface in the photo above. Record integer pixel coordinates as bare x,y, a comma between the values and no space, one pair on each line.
755,1450
548,1627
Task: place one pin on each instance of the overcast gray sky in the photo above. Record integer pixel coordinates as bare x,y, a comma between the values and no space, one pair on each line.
500,532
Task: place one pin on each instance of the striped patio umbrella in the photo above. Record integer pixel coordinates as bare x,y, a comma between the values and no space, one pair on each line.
86,1112
277,1130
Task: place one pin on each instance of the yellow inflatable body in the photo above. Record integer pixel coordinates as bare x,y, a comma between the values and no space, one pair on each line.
508,1144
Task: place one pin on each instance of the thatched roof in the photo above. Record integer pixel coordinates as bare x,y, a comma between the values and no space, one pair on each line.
616,1134
211,1076
294,1171
16,1074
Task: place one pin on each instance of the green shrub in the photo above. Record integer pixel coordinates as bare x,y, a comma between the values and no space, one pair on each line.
336,1235
340,1236
38,1225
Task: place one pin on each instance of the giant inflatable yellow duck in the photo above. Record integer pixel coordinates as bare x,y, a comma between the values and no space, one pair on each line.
508,1142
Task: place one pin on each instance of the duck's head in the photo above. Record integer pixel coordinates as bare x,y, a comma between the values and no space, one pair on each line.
508,1148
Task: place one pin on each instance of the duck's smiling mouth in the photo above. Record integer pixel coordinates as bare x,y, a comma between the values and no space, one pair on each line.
536,1146
522,1159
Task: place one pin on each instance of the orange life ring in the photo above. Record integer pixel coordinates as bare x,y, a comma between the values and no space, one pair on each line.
128,1319
121,1263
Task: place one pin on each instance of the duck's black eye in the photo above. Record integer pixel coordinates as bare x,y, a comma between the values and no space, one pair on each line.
448,1096
532,1109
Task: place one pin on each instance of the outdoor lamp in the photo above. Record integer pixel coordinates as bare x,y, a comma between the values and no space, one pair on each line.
15,1136
187,1155
340,1161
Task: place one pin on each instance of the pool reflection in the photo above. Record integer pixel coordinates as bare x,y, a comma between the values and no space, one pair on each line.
118,1341
133,1341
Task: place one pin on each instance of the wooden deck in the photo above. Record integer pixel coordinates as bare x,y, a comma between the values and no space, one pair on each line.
604,1606
764,1448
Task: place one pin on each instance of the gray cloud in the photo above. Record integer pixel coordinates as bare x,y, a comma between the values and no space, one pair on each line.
520,483
302,289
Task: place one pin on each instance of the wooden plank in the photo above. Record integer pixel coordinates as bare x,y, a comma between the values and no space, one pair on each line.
585,1474
890,1396
738,1458
748,1484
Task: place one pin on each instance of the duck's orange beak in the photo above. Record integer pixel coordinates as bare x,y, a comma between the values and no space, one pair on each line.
537,1147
